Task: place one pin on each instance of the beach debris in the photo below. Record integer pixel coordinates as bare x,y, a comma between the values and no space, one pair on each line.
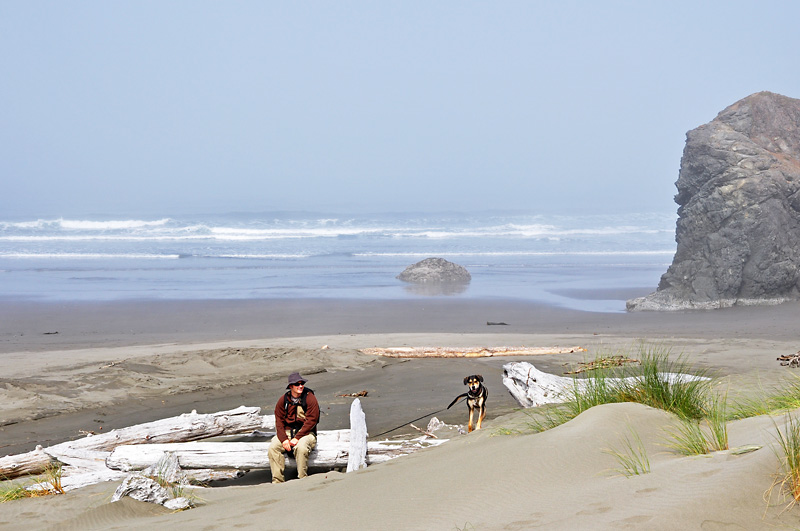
467,352
324,347
602,363
790,360
531,387
424,432
740,450
492,323
148,490
151,484
355,395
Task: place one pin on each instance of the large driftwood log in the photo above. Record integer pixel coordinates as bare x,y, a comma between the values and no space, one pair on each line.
187,427
332,451
467,352
531,387
91,451
33,462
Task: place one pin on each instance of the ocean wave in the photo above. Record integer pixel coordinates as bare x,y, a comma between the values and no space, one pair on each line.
517,253
77,224
273,256
90,256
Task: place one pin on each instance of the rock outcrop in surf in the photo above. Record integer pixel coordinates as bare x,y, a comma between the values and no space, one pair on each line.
738,229
435,270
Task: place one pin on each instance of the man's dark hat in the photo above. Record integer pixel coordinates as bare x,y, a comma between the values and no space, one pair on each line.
295,378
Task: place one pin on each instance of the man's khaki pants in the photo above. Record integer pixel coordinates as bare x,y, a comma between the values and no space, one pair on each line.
277,459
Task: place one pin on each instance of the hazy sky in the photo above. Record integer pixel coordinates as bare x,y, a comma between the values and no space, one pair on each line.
164,107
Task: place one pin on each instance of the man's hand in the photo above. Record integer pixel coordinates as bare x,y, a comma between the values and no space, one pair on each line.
293,442
288,445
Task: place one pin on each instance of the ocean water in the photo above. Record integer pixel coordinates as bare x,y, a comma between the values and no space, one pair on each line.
289,255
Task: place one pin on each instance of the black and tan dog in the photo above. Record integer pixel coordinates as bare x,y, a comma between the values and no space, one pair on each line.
476,398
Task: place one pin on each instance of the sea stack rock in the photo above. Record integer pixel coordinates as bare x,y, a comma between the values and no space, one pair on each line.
435,270
738,229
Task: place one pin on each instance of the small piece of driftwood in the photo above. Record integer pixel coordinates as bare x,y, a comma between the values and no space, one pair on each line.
429,434
355,395
601,363
468,352
790,360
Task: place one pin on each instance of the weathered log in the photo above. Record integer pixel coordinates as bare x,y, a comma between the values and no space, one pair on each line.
187,427
468,352
82,453
531,387
34,462
332,451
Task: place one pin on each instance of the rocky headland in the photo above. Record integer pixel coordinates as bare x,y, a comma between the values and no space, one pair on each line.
738,229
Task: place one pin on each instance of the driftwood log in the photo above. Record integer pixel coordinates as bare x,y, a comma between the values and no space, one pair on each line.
33,462
93,449
335,449
332,451
467,352
110,456
531,387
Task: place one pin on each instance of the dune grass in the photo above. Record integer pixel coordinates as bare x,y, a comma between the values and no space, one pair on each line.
633,458
789,456
781,398
47,484
646,383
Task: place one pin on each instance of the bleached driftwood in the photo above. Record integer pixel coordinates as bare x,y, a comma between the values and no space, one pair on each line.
332,451
187,427
88,462
90,452
531,387
357,453
33,462
467,352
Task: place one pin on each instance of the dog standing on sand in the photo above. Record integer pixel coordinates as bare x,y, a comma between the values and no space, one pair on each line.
476,398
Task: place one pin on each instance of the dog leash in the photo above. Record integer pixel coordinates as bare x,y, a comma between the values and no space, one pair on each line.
410,421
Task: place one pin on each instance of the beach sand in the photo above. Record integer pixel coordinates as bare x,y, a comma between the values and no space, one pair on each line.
116,364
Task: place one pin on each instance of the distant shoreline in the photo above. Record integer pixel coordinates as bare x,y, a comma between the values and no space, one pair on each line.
43,326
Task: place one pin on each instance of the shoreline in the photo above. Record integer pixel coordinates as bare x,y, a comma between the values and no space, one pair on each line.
38,327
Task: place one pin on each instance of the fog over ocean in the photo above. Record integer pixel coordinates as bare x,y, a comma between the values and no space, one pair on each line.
590,262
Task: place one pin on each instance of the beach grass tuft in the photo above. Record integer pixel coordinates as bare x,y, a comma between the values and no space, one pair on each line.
47,484
716,418
785,397
688,438
633,458
789,456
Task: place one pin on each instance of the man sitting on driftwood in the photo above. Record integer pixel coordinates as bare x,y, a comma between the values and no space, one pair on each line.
296,418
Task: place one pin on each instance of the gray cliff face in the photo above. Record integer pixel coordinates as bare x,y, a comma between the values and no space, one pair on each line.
738,229
435,270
